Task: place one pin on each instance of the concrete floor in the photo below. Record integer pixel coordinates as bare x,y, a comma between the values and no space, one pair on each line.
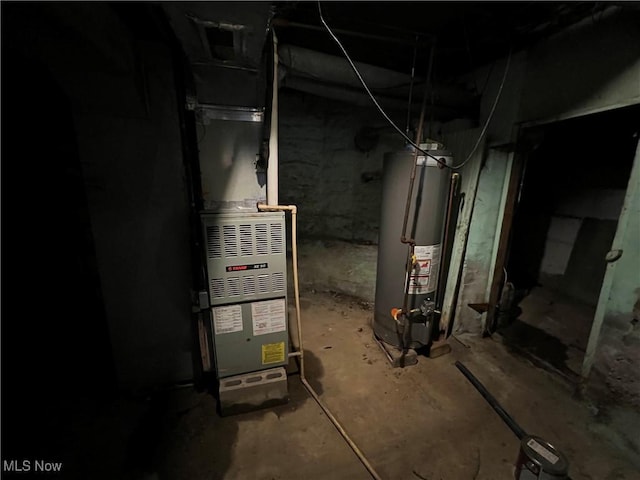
422,422
553,328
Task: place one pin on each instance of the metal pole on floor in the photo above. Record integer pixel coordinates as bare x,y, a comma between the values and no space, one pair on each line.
508,419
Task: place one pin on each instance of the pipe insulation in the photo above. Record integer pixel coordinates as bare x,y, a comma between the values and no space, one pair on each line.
323,69
300,353
333,69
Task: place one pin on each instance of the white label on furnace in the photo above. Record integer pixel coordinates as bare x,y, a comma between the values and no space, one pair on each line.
424,275
535,446
227,319
269,316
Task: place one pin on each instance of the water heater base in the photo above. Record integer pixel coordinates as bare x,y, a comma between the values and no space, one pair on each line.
395,356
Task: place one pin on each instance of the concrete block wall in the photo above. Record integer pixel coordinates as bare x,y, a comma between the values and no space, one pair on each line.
588,69
337,188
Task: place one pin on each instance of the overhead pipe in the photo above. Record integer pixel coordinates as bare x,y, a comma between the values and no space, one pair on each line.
300,352
334,69
360,98
314,66
272,163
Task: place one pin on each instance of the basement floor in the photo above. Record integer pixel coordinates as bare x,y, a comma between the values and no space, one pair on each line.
422,422
552,329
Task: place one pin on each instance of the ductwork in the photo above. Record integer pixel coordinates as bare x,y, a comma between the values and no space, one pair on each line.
328,68
361,99
332,77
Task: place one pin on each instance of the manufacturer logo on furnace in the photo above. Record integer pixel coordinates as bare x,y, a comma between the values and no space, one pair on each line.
241,268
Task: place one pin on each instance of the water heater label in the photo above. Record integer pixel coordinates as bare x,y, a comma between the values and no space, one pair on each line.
227,319
273,353
269,316
424,275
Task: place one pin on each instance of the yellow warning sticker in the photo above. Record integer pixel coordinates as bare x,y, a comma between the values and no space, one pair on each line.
272,353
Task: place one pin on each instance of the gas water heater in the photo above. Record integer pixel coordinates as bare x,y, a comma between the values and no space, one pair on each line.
425,226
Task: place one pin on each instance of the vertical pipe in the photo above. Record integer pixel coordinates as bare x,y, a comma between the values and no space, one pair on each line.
272,165
404,238
447,226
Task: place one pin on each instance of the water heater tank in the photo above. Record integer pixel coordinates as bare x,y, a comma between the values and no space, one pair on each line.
425,225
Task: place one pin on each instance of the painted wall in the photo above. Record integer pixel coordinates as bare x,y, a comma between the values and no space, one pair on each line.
540,86
590,68
338,266
125,114
483,184
580,233
480,244
336,185
337,188
613,352
621,335
593,66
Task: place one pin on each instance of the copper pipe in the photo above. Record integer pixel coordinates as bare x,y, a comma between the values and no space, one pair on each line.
300,353
403,238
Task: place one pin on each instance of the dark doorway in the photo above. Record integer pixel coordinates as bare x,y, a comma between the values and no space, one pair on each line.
571,196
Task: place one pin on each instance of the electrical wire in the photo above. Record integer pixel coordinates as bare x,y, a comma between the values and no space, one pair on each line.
384,114
488,121
375,102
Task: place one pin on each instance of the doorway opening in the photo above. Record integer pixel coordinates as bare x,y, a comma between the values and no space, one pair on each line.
570,199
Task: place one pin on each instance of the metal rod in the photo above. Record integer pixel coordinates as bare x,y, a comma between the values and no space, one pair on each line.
502,413
403,238
445,241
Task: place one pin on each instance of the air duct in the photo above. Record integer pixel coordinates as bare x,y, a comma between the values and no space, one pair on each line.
331,77
329,68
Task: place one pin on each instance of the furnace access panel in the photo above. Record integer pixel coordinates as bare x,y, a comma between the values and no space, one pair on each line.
246,269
